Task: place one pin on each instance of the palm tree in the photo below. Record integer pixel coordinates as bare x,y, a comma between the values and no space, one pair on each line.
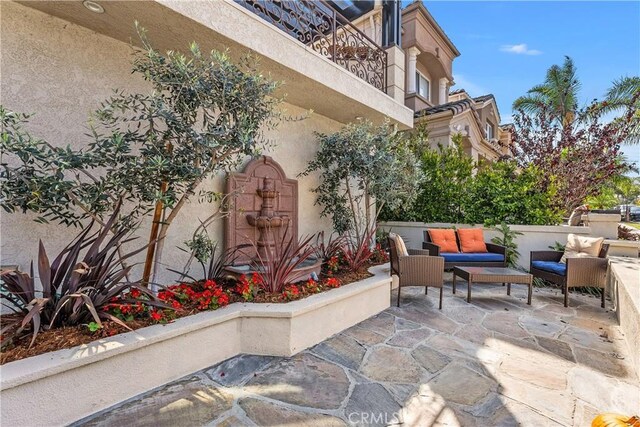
558,95
624,94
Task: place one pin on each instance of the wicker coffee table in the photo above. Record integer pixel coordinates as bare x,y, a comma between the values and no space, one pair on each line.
492,275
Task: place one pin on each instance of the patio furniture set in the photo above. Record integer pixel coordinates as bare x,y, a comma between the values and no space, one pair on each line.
469,257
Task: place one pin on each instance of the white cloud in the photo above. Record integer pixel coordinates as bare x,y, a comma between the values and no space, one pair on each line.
520,49
472,88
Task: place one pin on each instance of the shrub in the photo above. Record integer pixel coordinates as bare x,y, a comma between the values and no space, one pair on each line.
508,240
362,169
330,249
205,252
501,192
446,175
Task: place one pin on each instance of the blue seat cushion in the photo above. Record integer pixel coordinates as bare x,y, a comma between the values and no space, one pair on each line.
559,268
472,257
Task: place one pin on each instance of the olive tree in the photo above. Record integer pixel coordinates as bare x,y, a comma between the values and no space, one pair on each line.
202,115
363,167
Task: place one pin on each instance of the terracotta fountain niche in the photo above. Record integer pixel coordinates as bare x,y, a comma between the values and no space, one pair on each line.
267,222
264,208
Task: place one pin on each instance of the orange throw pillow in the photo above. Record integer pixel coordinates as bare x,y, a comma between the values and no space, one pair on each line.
445,238
472,240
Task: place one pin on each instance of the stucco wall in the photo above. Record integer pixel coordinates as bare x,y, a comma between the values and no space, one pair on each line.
61,72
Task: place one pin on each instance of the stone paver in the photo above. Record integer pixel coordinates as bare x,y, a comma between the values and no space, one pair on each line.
341,349
303,380
493,362
237,370
376,402
390,364
186,402
269,414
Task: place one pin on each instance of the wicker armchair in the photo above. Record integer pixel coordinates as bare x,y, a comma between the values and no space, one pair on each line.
416,269
579,271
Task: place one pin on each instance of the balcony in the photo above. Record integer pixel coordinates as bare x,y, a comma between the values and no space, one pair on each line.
325,31
340,79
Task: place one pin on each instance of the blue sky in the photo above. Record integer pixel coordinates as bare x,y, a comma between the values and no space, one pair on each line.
507,46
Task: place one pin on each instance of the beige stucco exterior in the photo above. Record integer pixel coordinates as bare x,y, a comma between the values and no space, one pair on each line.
310,80
469,117
61,71
429,52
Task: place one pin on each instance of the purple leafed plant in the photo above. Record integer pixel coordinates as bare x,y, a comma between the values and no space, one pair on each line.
75,287
277,267
357,252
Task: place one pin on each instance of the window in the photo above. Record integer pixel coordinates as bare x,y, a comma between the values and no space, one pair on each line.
422,86
489,131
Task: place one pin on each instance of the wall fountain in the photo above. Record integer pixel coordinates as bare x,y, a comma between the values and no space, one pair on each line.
264,208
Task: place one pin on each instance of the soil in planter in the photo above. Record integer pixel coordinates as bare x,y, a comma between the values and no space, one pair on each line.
68,337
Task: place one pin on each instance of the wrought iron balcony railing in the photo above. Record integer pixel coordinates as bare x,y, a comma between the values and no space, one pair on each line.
319,26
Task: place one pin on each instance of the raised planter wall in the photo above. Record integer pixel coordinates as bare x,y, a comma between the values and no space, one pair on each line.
624,289
63,386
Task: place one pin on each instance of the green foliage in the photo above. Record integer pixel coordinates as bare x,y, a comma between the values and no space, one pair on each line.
501,192
212,261
624,93
201,246
362,168
447,174
605,199
557,246
508,240
498,192
93,326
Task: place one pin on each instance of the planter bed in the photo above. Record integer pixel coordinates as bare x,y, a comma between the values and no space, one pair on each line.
65,385
73,336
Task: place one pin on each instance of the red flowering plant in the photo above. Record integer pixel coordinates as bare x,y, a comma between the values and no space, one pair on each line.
379,255
332,282
207,295
248,288
290,292
131,305
333,265
312,286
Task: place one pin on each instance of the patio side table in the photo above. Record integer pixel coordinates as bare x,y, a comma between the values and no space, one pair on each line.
492,275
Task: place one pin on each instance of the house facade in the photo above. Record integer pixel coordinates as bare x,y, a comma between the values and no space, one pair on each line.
429,57
477,120
61,59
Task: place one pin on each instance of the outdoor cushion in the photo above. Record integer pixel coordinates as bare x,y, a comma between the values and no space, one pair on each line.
445,238
479,257
471,240
400,246
581,246
551,266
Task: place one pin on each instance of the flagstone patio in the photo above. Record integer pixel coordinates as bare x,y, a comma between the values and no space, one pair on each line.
493,362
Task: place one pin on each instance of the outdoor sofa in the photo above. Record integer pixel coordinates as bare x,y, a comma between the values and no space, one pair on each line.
494,257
